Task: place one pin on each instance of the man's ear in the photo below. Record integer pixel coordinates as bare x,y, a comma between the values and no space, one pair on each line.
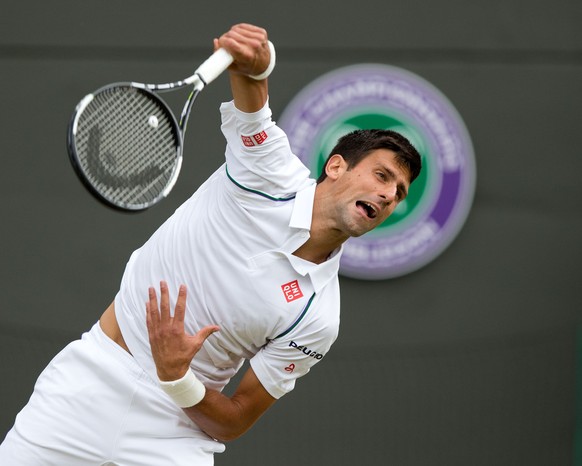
335,167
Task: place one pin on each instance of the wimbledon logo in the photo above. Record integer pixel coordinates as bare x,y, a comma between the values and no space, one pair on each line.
381,96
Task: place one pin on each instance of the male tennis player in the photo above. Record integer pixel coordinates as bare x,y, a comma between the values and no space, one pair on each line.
246,269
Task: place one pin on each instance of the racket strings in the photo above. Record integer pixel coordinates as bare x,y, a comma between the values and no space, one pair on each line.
128,145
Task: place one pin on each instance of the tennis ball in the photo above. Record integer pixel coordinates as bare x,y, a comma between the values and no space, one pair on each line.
153,121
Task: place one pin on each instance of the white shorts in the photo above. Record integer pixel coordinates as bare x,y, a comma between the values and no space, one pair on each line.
93,405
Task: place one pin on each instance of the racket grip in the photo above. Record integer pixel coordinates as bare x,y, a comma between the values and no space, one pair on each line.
214,66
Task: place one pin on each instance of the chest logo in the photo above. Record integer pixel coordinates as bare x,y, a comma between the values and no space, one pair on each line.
292,291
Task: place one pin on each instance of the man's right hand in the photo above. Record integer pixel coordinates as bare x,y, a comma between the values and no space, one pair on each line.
249,46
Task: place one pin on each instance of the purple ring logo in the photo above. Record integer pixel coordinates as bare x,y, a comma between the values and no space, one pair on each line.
381,96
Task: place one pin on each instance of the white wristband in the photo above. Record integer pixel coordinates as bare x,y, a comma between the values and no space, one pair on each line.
265,74
187,391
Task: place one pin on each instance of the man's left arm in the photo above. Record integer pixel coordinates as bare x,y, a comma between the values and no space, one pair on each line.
227,418
221,417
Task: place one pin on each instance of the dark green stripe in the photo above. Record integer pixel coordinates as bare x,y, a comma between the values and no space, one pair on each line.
298,319
254,191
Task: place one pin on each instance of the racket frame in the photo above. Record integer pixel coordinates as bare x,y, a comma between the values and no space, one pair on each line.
177,133
207,72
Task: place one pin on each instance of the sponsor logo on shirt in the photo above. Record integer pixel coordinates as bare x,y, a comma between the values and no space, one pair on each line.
305,350
292,291
255,139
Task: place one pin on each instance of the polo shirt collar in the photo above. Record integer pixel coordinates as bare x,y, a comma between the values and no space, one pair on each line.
320,274
303,208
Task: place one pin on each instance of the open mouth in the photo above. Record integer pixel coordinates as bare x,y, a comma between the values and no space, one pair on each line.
367,208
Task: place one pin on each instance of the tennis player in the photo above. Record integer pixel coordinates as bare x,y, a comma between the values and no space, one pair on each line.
246,269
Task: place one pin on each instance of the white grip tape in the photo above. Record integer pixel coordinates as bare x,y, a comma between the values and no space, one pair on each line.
214,66
265,74
187,391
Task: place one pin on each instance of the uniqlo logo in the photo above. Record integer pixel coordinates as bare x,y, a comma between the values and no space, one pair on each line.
292,291
260,137
247,141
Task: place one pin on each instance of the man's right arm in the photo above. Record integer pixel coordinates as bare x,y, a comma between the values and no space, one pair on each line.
249,47
258,156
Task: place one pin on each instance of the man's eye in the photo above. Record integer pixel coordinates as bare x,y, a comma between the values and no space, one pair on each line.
381,175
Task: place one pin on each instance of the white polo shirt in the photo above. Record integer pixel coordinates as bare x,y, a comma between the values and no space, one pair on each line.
232,245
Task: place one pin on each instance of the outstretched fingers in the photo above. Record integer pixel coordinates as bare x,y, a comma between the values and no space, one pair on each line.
180,309
152,312
165,316
205,332
172,348
160,321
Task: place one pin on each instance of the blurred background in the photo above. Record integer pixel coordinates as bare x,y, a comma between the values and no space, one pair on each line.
472,360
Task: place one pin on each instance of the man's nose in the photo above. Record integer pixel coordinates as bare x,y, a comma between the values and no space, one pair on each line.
389,192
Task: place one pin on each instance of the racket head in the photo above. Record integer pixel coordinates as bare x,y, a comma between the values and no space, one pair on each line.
126,146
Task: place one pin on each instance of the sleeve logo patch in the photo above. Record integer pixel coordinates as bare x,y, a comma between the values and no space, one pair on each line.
292,291
247,141
255,139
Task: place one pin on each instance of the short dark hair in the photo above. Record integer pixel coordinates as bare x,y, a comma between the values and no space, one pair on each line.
355,146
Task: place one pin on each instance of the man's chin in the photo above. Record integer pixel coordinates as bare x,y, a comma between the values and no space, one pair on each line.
359,227
357,232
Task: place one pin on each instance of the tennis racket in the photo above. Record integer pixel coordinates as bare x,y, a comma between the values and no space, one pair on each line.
125,143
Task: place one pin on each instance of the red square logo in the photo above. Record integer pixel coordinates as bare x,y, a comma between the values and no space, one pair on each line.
260,137
247,141
292,291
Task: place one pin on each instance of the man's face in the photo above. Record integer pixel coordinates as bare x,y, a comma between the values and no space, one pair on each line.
365,195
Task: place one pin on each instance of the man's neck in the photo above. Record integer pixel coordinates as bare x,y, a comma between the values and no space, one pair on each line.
324,238
321,243
310,252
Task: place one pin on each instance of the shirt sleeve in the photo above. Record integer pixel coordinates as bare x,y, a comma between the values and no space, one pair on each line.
285,359
258,155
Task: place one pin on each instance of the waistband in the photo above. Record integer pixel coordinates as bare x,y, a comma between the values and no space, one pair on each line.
116,352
